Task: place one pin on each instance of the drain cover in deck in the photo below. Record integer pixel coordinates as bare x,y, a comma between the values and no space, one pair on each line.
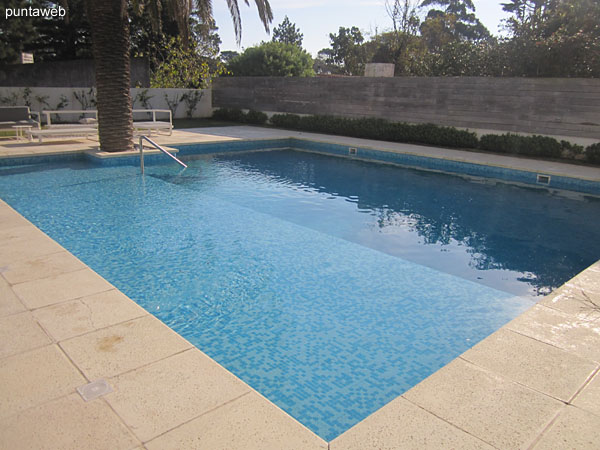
94,390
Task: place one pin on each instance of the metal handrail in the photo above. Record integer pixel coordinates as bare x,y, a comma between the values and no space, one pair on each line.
158,147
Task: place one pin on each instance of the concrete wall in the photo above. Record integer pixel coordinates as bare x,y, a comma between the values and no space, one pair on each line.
66,74
569,107
48,98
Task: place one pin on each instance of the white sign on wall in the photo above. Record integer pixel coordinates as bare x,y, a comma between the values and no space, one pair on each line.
26,58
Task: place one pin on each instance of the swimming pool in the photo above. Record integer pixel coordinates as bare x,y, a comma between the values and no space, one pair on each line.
329,285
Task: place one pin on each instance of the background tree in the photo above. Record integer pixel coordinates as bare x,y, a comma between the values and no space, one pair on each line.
227,55
188,67
61,38
346,56
15,34
151,37
396,46
287,33
409,60
554,38
276,59
404,15
322,64
455,22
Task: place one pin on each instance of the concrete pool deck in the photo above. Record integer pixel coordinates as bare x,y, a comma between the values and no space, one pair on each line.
532,384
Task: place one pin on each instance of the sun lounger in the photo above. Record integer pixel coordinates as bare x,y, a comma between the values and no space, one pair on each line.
11,116
141,127
82,118
63,132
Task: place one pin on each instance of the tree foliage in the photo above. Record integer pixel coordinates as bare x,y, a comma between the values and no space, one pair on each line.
276,59
287,33
15,33
548,38
456,21
190,67
62,38
347,55
554,38
151,25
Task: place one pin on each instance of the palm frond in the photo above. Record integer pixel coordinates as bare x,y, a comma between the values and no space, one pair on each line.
234,10
264,11
204,9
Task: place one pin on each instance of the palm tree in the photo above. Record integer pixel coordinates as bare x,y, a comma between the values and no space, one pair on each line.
109,22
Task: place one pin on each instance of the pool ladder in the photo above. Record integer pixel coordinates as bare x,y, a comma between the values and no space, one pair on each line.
158,147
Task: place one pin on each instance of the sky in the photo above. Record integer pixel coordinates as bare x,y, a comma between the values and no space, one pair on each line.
317,18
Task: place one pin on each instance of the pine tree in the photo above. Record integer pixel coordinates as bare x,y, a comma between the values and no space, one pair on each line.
287,33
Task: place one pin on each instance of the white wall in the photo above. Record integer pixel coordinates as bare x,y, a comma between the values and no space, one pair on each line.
41,98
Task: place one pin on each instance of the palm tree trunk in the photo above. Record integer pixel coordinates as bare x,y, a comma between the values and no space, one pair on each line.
109,23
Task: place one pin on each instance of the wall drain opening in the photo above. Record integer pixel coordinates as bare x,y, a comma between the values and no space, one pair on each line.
94,390
352,150
543,179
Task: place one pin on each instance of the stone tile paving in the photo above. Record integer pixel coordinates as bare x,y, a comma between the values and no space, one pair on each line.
533,384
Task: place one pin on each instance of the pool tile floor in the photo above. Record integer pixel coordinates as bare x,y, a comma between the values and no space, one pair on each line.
532,384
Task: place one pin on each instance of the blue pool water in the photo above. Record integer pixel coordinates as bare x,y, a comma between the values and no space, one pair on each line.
329,285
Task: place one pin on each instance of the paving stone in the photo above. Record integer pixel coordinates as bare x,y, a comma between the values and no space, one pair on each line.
76,317
573,429
588,280
42,267
589,397
9,302
20,234
123,347
249,422
32,378
19,333
403,425
60,288
9,218
549,369
573,300
67,423
485,405
15,250
156,398
566,331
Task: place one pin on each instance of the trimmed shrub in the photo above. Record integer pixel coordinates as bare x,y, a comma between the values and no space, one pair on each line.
289,121
521,145
592,153
573,149
237,115
256,117
229,114
379,129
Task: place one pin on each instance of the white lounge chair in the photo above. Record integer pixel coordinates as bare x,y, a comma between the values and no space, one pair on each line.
141,127
18,118
83,119
62,132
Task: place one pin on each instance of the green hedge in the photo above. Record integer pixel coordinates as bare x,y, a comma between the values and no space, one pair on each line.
540,146
379,129
256,117
592,153
428,134
522,145
229,114
237,115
